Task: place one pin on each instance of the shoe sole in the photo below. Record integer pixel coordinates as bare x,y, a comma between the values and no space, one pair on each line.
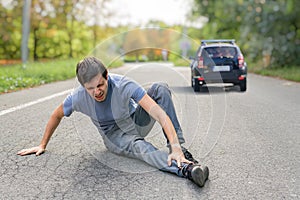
199,176
206,172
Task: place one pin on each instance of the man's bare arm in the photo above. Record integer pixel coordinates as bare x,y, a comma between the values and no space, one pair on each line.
52,124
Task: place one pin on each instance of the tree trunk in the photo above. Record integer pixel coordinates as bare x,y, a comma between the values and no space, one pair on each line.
71,39
35,44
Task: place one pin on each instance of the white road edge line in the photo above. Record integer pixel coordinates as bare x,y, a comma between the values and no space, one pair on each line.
4,112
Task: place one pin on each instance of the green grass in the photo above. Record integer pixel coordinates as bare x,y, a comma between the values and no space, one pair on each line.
181,62
289,73
16,77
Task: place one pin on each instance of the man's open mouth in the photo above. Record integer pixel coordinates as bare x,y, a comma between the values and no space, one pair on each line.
99,96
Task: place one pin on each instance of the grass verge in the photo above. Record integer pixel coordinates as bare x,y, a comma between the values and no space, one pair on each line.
288,73
16,77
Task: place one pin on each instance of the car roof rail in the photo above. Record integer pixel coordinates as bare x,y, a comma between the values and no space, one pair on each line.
231,41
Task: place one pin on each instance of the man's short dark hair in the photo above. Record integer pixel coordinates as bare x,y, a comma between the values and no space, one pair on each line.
88,68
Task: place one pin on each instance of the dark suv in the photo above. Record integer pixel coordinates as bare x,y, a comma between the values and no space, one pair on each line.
218,61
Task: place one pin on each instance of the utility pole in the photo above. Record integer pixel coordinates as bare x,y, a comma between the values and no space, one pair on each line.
25,31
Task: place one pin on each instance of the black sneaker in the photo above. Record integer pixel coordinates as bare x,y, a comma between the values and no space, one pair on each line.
197,173
188,155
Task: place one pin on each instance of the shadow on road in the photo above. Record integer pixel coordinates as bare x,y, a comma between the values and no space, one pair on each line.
206,89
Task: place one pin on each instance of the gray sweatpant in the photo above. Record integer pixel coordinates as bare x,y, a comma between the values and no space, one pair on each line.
127,137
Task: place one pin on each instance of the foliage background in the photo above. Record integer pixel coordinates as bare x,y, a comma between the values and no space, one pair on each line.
267,31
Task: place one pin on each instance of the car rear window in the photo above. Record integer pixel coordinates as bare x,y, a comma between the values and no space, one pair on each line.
217,52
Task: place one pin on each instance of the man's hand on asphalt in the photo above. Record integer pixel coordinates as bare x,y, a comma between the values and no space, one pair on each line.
38,150
178,156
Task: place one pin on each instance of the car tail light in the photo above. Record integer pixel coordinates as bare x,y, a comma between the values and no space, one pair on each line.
200,79
241,61
241,78
200,63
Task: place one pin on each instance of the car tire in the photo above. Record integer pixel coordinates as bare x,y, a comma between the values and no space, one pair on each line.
196,85
243,85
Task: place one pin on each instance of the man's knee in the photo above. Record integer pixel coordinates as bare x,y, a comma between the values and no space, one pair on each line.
159,89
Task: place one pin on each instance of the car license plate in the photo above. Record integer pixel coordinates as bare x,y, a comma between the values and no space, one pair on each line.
224,68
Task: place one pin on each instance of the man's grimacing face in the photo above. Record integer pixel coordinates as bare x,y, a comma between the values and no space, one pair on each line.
97,88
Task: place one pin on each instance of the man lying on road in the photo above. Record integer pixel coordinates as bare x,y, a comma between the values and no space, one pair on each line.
124,113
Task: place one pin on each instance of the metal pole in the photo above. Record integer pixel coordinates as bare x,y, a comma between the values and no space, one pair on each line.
25,31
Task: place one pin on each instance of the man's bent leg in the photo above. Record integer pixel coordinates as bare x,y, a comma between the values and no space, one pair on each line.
161,94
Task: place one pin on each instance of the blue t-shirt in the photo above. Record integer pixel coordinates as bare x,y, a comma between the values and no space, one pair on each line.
123,94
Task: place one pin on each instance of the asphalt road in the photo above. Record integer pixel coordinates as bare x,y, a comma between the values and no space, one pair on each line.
250,141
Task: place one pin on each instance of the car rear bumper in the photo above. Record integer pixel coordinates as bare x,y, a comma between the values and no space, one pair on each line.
234,76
